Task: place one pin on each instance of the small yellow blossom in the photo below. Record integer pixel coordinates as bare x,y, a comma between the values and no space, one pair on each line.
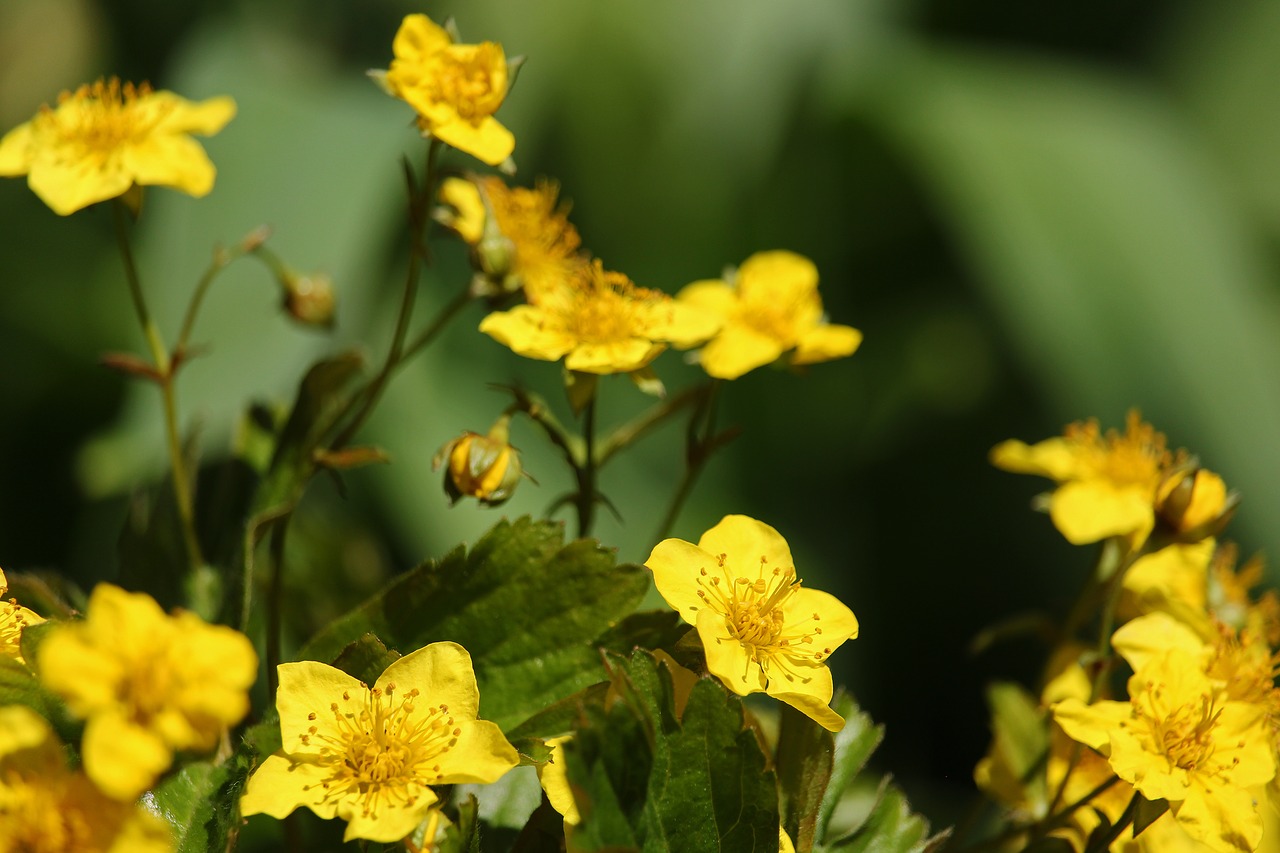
761,630
456,88
601,323
486,468
770,308
1195,504
526,244
148,684
44,806
369,756
13,618
1172,580
102,140
1107,484
1179,738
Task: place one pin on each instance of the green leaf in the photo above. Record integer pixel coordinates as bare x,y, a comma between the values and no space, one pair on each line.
853,747
365,658
646,780
891,827
1019,733
526,606
560,717
805,756
19,686
198,804
652,629
464,835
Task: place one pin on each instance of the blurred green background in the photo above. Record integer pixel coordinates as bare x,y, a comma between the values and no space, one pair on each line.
1035,213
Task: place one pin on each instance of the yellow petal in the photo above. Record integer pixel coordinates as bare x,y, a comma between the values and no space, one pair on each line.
304,698
784,842
1142,639
1052,458
1093,724
178,115
22,729
481,755
1088,510
837,620
813,708
1226,819
738,349
277,786
748,543
121,758
783,274
487,140
614,357
523,331
15,151
71,185
710,295
443,674
825,342
554,778
677,567
171,161
726,658
419,37
389,822
469,216
807,679
682,325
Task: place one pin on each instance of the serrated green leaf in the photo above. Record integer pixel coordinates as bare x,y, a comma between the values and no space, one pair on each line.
652,629
645,780
805,756
464,835
853,747
891,827
198,804
526,606
533,750
560,717
365,658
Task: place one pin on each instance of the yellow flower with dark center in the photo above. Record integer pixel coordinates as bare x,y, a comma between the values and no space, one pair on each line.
601,323
770,308
1107,483
47,808
761,630
369,755
455,88
527,243
1181,738
13,618
103,139
148,684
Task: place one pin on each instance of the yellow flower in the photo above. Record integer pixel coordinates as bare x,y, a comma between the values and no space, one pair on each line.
148,684
772,307
44,806
1107,484
103,139
760,629
456,88
13,618
486,468
369,756
1172,580
1179,738
601,323
527,243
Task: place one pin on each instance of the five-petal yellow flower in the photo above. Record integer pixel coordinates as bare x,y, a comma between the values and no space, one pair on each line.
601,323
103,139
45,806
370,755
771,307
1107,484
148,684
456,88
761,630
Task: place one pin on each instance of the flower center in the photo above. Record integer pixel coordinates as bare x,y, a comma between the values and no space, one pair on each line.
34,817
463,78
97,119
12,621
1138,457
773,312
755,612
386,752
545,242
602,307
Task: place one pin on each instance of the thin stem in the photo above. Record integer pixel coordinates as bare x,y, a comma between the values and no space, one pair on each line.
437,325
1053,821
275,600
623,436
164,369
587,471
699,445
419,200
1118,828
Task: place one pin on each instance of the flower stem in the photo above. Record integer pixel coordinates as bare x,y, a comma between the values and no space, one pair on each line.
624,435
222,258
164,370
586,471
275,600
700,444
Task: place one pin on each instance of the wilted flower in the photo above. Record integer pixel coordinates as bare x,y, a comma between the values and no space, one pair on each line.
102,140
369,755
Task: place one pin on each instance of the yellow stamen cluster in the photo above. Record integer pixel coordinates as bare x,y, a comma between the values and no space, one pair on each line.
463,78
755,615
107,114
1139,456
386,752
601,306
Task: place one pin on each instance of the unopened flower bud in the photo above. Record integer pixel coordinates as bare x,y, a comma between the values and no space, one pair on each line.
1195,504
486,468
309,299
